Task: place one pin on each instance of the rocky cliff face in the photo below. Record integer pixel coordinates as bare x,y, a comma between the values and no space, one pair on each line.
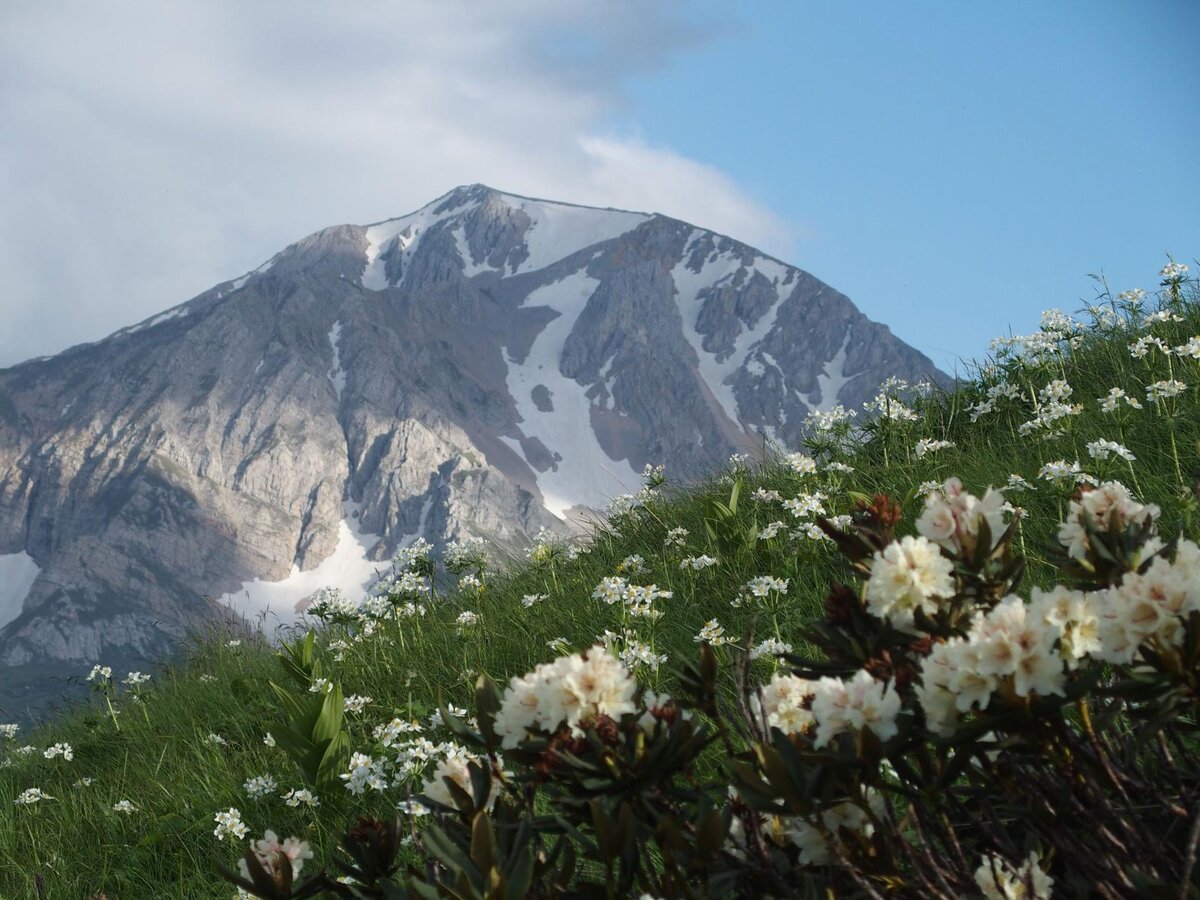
479,367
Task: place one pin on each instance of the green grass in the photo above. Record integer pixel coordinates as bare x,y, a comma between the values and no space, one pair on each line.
159,757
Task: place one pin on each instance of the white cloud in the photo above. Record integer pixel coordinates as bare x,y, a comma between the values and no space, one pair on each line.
152,150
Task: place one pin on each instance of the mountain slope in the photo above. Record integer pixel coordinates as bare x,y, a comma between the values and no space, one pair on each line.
482,366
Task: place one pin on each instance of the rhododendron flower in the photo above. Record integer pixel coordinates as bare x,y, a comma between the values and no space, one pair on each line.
907,575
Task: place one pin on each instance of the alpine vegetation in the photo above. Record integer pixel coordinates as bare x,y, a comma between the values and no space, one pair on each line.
946,646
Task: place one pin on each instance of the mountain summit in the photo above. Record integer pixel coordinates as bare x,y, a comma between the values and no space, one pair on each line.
482,366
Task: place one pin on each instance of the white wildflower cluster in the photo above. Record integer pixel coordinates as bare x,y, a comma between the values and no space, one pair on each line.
124,806
466,619
1102,449
550,545
800,463
1164,390
995,394
889,406
770,530
1190,349
770,647
470,583
9,731
300,797
631,650
766,495
1173,272
413,556
63,750
30,796
229,823
365,772
1141,348
1010,647
455,769
806,506
389,733
827,707
999,880
270,849
908,575
135,678
632,565
925,446
530,599
331,605
676,537
1114,400
1060,471
1149,608
697,563
952,516
468,554
414,755
1053,408
259,786
637,599
1098,505
355,703
713,633
764,586
827,420
100,674
572,691
846,818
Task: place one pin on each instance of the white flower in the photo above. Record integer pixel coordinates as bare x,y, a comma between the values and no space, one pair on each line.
135,678
675,537
365,772
124,806
770,647
269,739
782,704
1112,402
770,531
354,703
998,879
1173,271
763,495
800,463
1102,449
466,619
908,575
100,674
1099,504
31,796
1164,390
269,850
953,517
696,563
1190,349
301,795
455,769
713,633
765,585
862,702
259,786
530,599
9,731
216,739
926,446
572,691
63,750
229,822
846,817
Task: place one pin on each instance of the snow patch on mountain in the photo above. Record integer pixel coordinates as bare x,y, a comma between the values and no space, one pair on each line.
689,285
17,574
348,568
583,473
558,229
337,374
831,380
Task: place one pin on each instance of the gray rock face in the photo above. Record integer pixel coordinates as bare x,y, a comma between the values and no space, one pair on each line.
478,367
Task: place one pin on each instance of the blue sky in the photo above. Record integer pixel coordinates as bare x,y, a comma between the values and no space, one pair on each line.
954,168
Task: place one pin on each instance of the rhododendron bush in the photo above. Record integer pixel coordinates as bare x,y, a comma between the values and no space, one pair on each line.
949,733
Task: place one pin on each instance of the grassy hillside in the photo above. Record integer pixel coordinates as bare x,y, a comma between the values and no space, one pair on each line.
1111,394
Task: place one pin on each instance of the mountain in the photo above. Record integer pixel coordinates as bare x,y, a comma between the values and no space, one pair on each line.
483,366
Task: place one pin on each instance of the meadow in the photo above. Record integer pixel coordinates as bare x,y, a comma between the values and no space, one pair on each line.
166,773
